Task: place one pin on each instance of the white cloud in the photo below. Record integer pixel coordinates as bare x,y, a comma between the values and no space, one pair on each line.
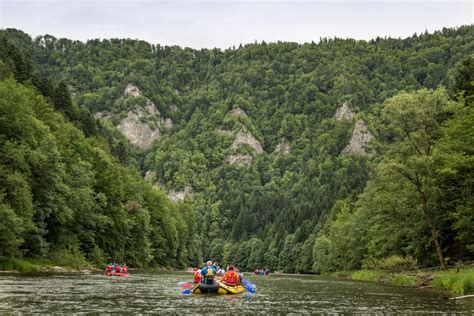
225,23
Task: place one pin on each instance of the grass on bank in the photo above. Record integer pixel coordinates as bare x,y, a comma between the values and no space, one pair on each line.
458,281
71,260
396,278
10,264
403,271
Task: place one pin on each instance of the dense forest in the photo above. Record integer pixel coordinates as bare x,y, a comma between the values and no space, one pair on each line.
311,157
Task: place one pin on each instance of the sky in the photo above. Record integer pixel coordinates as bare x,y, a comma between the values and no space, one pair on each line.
226,23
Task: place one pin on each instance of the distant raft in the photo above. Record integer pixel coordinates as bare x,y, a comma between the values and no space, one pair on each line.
119,274
217,288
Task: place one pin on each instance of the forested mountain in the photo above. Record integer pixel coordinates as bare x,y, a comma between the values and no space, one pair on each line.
63,195
312,158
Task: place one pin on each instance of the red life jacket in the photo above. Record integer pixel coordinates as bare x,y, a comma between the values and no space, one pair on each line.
118,268
231,278
197,277
109,268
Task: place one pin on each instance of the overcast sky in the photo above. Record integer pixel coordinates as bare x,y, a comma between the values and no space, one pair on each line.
225,23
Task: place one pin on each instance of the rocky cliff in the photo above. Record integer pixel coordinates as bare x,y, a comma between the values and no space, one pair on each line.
244,146
360,139
143,125
344,112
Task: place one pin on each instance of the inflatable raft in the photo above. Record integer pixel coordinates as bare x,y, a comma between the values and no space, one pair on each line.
117,274
217,288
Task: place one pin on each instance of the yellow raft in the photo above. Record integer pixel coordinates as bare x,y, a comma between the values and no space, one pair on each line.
219,288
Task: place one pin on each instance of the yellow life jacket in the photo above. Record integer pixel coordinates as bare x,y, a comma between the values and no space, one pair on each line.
209,273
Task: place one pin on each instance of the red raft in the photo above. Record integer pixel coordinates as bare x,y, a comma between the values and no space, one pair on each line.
117,274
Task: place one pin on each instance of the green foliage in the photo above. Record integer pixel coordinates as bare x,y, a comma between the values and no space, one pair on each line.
63,197
392,263
459,281
384,277
456,159
341,244
73,258
367,275
405,280
68,181
462,85
9,264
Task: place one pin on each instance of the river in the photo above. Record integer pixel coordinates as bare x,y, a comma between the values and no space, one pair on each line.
147,292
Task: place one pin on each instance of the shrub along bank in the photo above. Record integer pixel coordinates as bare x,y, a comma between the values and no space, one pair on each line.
404,271
67,263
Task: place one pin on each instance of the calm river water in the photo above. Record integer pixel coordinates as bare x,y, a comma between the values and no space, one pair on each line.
160,293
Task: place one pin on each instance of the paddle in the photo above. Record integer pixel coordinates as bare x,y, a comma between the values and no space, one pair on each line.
251,288
187,292
185,284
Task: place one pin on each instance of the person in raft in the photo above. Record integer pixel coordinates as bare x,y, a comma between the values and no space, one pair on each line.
197,275
231,277
208,273
110,267
118,268
124,269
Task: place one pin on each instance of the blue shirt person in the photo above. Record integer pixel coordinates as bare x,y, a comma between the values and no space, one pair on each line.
208,273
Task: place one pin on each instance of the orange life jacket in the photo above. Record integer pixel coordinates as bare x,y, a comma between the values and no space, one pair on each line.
230,278
197,277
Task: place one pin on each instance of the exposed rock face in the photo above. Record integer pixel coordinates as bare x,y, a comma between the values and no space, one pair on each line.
136,125
175,196
283,147
360,138
150,176
132,90
243,137
105,115
344,112
237,112
239,159
166,122
140,134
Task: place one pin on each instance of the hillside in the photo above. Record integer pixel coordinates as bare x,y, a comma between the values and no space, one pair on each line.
295,157
67,196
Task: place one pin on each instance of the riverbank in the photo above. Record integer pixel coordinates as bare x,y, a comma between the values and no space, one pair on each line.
457,281
59,265
14,265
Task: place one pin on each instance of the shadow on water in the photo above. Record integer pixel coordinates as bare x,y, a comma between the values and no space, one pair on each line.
159,292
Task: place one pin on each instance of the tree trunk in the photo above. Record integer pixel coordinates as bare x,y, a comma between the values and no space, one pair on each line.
433,230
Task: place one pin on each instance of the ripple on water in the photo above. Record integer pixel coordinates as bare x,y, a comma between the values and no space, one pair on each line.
159,293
